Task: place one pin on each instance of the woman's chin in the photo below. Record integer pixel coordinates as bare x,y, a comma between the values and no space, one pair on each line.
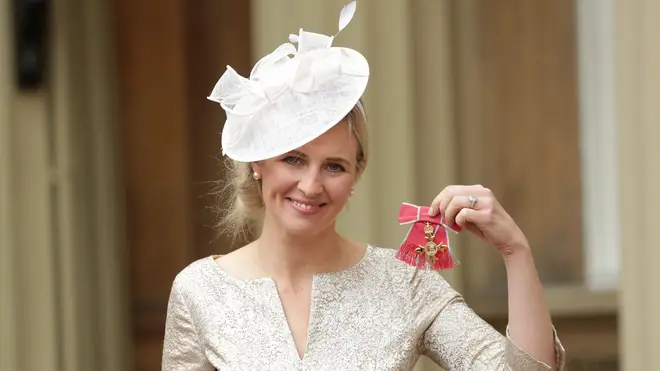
303,228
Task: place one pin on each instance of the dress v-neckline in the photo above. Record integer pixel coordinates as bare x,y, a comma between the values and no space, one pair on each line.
285,327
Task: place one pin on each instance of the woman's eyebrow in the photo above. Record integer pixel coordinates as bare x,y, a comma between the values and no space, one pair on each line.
339,159
331,159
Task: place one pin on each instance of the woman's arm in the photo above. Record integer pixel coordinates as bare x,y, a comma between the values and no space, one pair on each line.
457,339
476,209
530,325
182,350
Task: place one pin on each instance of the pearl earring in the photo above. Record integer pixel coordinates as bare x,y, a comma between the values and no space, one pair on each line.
255,175
352,192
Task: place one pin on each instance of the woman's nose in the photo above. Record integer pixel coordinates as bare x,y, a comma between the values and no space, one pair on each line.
310,184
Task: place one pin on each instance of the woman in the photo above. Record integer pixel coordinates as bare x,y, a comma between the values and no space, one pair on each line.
303,297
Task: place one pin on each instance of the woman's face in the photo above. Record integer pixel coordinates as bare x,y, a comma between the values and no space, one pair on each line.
304,190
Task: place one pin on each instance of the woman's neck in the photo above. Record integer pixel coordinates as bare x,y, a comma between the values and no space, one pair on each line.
292,258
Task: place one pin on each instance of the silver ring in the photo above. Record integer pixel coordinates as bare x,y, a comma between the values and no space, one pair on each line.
473,201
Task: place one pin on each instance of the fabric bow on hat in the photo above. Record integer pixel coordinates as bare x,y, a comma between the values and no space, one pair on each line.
292,96
426,245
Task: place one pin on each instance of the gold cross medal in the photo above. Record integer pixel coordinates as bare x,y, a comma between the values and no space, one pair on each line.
426,245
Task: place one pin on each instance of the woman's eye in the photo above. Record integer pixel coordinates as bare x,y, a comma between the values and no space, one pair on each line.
291,160
336,168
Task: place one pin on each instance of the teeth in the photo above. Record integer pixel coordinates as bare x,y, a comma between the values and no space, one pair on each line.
303,206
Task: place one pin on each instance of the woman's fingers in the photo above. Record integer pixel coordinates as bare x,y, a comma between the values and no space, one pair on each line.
470,216
476,209
455,205
439,203
442,200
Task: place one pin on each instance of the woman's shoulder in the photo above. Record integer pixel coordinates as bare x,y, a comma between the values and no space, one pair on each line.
195,274
215,275
385,259
385,265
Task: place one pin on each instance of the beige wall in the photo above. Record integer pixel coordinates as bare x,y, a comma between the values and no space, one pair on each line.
638,79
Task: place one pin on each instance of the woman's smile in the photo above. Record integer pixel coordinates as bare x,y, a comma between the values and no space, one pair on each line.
305,207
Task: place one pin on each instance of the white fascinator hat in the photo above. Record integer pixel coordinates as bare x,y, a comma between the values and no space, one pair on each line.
292,95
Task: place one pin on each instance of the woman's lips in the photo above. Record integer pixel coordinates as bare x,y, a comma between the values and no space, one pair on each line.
305,207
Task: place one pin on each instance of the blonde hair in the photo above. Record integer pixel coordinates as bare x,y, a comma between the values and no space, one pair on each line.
240,201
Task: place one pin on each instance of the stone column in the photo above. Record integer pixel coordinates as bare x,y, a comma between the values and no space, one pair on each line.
61,266
7,307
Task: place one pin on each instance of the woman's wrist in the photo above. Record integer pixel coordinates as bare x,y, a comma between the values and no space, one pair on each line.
517,254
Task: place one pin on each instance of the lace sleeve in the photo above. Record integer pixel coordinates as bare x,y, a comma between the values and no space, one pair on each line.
459,340
181,348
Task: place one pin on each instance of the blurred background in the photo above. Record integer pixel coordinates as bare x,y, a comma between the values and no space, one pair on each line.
109,152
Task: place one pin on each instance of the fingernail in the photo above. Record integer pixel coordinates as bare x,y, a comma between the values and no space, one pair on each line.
431,211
